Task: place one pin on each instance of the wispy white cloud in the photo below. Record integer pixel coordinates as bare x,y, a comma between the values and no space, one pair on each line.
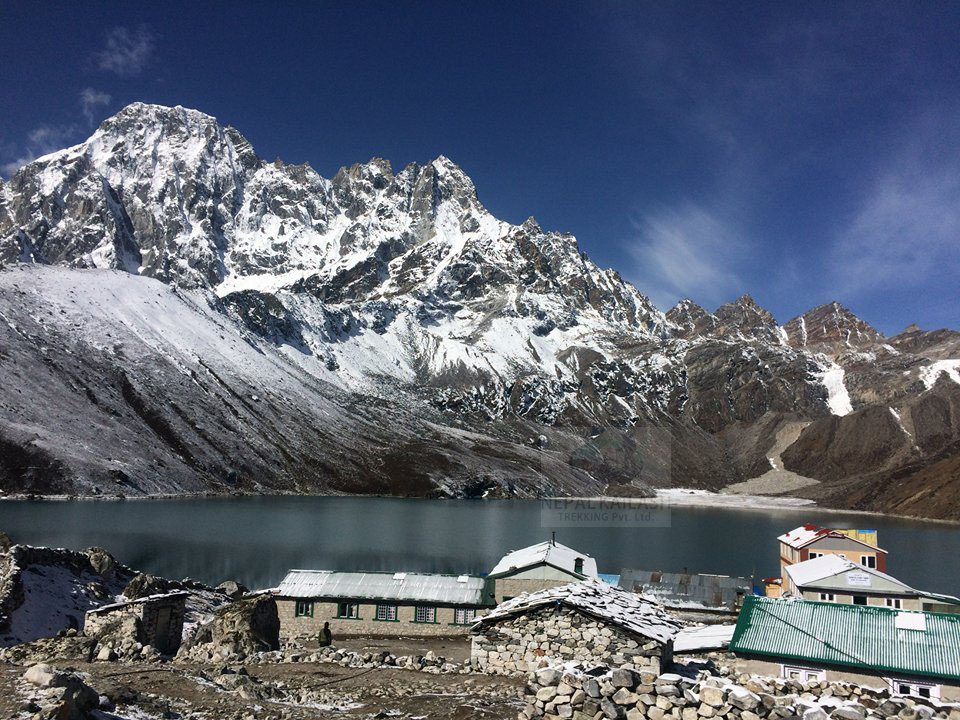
906,227
686,251
90,100
41,140
127,51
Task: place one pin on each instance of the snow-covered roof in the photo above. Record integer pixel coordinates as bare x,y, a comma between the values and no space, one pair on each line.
605,602
549,553
707,637
138,601
809,572
805,534
399,586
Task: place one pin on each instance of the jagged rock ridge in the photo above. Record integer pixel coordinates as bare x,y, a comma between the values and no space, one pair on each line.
457,350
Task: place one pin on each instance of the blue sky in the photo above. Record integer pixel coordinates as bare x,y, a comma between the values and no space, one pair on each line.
802,152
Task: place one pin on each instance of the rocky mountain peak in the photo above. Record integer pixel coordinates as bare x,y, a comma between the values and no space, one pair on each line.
691,319
745,319
831,326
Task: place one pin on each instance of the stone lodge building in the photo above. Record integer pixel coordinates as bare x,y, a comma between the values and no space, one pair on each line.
538,567
587,621
380,603
158,619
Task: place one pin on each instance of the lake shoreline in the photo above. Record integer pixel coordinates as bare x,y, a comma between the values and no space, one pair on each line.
669,497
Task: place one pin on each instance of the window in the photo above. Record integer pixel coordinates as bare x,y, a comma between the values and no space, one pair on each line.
387,613
869,561
827,597
464,616
859,599
347,610
917,689
803,674
895,603
578,566
304,608
425,614
814,555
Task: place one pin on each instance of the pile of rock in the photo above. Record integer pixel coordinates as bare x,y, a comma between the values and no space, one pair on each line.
428,663
628,695
293,653
61,695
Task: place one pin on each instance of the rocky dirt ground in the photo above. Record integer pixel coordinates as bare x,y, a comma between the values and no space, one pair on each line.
302,691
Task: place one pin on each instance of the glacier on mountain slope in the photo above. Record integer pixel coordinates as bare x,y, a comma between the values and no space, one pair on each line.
838,399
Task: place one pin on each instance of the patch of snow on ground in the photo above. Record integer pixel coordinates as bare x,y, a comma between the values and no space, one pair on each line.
930,373
52,595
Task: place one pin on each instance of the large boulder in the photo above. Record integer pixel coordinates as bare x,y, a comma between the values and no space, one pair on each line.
102,562
240,629
232,589
71,699
143,585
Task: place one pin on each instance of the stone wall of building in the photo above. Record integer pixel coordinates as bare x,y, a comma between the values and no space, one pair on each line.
143,619
949,690
523,642
511,587
302,628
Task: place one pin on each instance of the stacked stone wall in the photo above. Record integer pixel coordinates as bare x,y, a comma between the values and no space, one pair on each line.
561,634
623,694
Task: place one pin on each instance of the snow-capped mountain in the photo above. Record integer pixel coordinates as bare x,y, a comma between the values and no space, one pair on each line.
490,357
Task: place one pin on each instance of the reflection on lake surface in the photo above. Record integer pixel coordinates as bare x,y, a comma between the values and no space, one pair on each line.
256,539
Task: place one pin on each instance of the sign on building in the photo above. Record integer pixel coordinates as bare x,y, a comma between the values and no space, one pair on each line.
858,579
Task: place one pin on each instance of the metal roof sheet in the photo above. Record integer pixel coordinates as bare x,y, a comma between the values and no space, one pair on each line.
555,554
851,635
686,590
404,587
598,599
828,566
805,534
701,639
175,595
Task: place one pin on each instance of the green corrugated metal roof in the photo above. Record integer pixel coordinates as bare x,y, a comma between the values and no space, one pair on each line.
852,635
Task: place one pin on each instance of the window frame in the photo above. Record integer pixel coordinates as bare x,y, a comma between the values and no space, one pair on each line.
386,606
893,603
350,606
467,621
807,673
865,561
828,597
416,612
303,608
915,686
